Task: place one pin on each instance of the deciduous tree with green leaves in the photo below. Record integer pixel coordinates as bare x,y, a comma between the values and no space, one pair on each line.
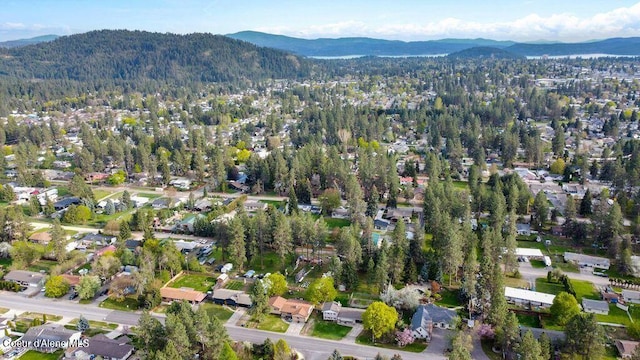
379,318
56,286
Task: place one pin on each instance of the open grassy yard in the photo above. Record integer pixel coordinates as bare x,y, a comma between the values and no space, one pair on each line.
584,289
35,355
550,288
45,265
529,320
329,330
619,316
35,315
128,304
365,339
223,314
96,324
199,282
450,298
149,195
539,264
276,204
270,263
460,185
336,223
234,285
100,194
273,323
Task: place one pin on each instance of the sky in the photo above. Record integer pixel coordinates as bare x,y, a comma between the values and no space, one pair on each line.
408,20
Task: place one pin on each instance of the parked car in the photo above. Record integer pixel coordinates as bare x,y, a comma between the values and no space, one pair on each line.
73,295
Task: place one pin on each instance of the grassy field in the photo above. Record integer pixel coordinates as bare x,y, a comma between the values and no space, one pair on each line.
329,330
35,355
449,298
128,304
276,204
460,185
199,282
529,320
365,339
538,264
96,324
218,311
619,316
234,285
35,315
45,265
271,263
336,223
273,323
100,194
550,288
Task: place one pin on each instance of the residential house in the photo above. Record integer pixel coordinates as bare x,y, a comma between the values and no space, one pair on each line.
523,229
530,298
429,316
49,338
172,294
334,311
42,238
626,348
63,204
100,346
104,250
133,245
95,176
203,205
587,260
404,214
161,203
187,225
291,310
25,278
97,239
231,298
629,296
253,206
595,306
72,280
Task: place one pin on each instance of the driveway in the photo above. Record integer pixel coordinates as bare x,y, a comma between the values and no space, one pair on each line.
438,344
294,328
353,334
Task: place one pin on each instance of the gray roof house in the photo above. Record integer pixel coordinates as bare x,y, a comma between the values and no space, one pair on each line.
106,348
429,316
49,338
25,278
334,311
595,306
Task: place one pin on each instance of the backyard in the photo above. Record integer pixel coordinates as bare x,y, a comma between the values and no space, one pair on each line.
198,282
234,285
583,289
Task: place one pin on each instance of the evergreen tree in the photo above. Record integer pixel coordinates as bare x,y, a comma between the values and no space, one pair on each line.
585,204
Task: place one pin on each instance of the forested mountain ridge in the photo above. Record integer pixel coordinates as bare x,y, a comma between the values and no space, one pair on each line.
362,45
378,47
29,41
137,55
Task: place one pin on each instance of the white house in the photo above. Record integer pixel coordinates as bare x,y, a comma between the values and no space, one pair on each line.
529,253
330,310
631,296
595,306
587,260
524,297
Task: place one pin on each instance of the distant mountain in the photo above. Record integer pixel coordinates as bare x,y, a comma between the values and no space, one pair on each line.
30,41
120,55
376,47
362,45
484,52
613,46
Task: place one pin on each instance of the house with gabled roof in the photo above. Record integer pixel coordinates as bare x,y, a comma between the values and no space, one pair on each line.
429,316
289,309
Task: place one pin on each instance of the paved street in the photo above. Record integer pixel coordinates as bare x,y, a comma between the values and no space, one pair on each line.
312,348
530,273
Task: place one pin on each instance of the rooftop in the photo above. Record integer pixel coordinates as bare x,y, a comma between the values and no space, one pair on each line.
528,295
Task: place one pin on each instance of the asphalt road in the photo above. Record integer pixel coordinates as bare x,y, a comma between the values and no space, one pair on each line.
311,348
530,273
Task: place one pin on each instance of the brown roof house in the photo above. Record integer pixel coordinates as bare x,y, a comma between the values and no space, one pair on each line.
291,310
42,238
172,294
626,348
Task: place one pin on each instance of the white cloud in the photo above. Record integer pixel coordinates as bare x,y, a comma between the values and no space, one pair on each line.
12,26
566,27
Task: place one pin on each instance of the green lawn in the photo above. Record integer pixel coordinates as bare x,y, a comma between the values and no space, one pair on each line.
538,264
273,323
329,330
618,316
271,263
550,288
6,262
34,315
149,195
584,289
96,324
234,285
365,339
199,282
336,223
36,355
223,314
460,185
449,298
100,194
276,204
45,265
128,304
529,320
